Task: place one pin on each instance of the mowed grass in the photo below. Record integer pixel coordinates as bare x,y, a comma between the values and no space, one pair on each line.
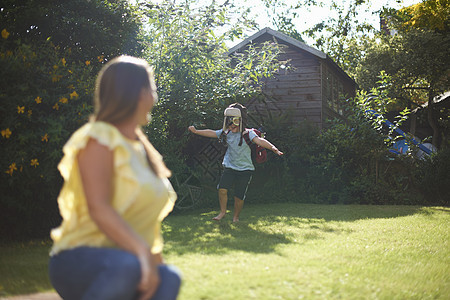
287,251
294,251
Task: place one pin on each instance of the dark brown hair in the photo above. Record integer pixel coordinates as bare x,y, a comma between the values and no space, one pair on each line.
117,91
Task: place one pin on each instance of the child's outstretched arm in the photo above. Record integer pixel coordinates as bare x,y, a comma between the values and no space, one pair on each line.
203,132
266,144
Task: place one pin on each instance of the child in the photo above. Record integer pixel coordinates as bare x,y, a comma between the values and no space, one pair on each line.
237,162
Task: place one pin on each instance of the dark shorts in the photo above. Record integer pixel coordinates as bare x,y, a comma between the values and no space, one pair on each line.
239,179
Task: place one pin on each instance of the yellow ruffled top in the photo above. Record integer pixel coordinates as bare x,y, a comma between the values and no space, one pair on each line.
140,197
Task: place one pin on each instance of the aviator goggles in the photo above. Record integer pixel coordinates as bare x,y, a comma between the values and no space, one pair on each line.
233,120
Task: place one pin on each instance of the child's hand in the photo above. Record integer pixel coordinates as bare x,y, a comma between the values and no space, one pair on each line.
276,151
279,152
192,129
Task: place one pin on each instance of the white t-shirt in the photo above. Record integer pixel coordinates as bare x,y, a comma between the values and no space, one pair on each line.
237,157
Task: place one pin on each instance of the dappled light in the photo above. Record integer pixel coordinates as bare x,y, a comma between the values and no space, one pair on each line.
262,229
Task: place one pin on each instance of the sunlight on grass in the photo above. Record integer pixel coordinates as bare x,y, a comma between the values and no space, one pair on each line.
23,268
291,251
287,251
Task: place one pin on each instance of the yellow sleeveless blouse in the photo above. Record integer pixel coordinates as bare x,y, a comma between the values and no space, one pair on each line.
139,196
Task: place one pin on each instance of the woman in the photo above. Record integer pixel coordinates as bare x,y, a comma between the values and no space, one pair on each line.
114,197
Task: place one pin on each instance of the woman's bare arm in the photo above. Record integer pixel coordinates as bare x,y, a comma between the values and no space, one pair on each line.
96,167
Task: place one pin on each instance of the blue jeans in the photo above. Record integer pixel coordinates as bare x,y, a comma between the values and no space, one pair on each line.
104,273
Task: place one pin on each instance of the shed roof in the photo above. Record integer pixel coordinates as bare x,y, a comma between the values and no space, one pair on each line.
282,37
291,41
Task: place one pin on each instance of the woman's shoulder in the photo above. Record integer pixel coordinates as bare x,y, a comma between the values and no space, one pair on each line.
99,128
104,133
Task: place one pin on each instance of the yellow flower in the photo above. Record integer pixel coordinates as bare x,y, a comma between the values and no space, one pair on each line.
38,99
71,87
5,34
87,63
6,133
56,106
12,167
30,112
55,67
100,58
44,138
34,162
63,60
9,53
73,95
63,100
20,109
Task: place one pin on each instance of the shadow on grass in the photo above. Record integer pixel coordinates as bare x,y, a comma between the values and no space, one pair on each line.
200,234
257,232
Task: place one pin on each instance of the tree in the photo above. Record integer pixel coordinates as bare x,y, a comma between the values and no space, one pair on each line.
415,58
50,53
45,97
88,28
341,34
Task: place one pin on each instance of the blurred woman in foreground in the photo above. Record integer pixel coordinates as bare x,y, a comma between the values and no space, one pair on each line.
114,197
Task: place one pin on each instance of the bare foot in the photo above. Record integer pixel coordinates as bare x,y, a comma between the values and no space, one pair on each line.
219,217
235,220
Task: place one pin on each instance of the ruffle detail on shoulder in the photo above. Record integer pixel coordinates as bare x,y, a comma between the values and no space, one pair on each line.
109,136
104,133
172,197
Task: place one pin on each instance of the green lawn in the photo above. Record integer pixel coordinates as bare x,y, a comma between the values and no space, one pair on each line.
288,251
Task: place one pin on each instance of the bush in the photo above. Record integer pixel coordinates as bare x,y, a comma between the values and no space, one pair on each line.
50,53
44,99
433,178
347,163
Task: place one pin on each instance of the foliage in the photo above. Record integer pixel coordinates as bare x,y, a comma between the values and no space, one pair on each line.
196,77
50,53
283,14
348,162
430,14
45,97
105,28
341,34
415,60
432,177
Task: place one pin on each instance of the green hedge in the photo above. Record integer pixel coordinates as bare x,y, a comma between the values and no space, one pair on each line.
44,97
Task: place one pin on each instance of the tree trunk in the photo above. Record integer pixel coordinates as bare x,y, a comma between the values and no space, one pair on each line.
432,120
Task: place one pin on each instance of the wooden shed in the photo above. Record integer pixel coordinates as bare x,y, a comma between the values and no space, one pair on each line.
311,88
